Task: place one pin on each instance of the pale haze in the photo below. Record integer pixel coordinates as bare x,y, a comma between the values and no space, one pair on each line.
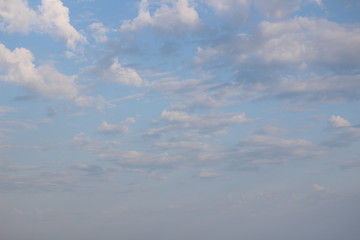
179,119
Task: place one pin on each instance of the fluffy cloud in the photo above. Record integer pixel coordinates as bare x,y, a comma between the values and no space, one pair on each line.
51,17
113,71
18,68
45,80
177,17
99,32
301,41
307,59
238,10
277,8
310,40
120,128
338,122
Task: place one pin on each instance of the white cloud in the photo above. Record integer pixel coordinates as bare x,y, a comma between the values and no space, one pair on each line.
16,16
310,40
18,68
177,17
304,42
120,128
277,8
99,31
52,17
235,9
262,149
45,80
198,124
321,188
115,72
125,75
338,122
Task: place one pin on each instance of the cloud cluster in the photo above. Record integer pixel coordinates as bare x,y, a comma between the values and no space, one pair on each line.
51,17
45,80
120,128
201,125
113,71
99,32
177,17
263,149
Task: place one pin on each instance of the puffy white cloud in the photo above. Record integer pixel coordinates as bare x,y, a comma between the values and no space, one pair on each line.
177,17
16,16
18,68
126,75
99,31
51,17
45,80
338,122
115,72
120,128
303,41
307,59
310,40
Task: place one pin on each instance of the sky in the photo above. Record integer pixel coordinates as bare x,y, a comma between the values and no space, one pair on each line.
179,119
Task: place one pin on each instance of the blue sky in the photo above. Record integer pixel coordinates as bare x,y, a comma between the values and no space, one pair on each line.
179,119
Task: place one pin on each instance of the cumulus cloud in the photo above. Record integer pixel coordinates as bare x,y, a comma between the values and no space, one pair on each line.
177,17
18,68
99,31
310,40
51,17
307,59
45,80
237,10
338,122
113,71
277,9
119,128
301,41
